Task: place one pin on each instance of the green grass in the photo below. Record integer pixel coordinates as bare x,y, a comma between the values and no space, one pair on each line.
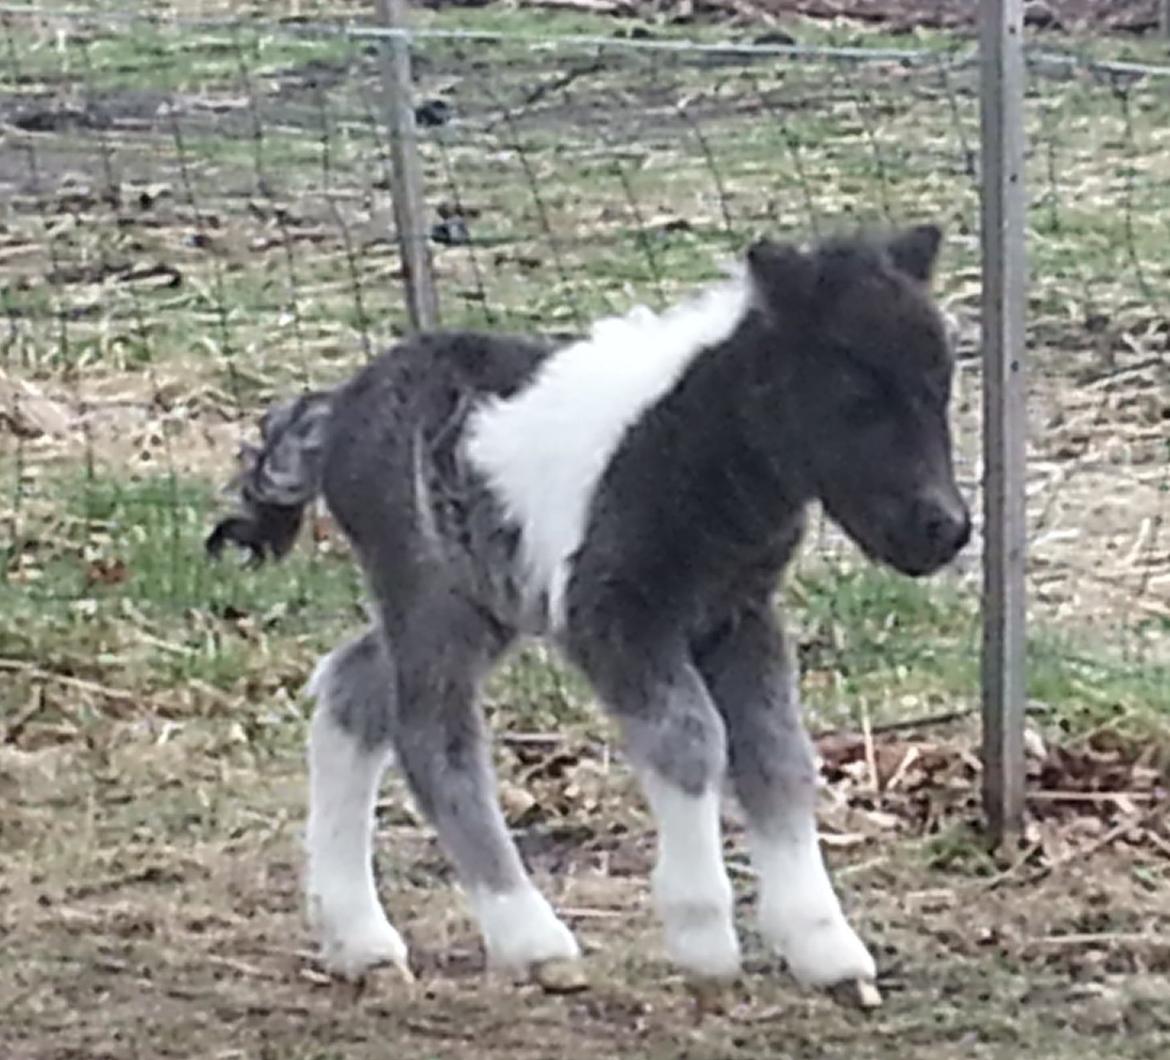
868,639
126,596
903,647
159,59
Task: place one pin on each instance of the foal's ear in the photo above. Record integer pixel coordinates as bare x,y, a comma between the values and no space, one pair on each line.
780,271
915,251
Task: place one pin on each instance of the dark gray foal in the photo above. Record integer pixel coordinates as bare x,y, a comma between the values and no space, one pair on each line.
633,496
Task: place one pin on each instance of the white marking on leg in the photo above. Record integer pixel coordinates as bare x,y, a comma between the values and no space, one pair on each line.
342,896
544,449
692,892
520,928
799,913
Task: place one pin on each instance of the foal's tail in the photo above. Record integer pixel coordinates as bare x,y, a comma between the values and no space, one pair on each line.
277,479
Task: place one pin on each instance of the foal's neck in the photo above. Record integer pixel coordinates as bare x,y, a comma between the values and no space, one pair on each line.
710,468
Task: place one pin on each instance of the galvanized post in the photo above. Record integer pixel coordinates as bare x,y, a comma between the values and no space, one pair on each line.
422,301
1004,414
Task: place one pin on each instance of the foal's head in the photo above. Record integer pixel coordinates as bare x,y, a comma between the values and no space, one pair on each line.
867,383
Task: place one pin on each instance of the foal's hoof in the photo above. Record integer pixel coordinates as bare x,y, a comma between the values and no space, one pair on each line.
560,976
823,952
356,970
520,929
858,993
407,976
352,956
701,940
710,996
394,972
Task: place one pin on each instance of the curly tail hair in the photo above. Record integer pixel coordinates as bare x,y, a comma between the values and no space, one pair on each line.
277,479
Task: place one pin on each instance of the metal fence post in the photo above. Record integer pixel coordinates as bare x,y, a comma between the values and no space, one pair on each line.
1164,17
1004,414
422,301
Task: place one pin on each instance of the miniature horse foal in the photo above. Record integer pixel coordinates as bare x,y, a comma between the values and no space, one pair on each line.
634,497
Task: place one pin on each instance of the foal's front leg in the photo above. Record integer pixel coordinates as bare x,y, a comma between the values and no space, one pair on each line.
752,679
675,740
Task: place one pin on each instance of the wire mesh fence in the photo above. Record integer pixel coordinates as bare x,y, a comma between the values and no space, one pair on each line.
197,218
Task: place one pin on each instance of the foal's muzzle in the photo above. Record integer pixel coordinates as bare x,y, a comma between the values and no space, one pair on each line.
936,528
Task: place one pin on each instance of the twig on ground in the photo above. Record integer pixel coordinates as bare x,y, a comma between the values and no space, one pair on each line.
1000,878
1091,796
1100,938
17,725
249,971
587,913
908,759
1102,841
80,683
875,780
908,724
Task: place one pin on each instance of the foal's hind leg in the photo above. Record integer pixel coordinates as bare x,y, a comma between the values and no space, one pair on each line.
770,761
443,648
349,745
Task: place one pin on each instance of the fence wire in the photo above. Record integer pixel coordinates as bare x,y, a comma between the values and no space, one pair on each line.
195,221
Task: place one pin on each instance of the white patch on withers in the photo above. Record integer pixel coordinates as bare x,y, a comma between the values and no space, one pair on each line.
544,450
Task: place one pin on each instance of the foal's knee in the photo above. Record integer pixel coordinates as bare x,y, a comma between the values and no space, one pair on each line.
675,739
680,756
682,744
649,685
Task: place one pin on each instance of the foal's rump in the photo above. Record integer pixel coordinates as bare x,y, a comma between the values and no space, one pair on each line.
367,436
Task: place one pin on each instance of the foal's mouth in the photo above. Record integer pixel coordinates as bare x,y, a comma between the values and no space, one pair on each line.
915,567
916,561
907,550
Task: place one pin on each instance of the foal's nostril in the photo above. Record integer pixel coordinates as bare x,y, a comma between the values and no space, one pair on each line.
947,529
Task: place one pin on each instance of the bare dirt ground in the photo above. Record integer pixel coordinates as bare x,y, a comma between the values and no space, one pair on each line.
1075,16
1133,16
150,907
